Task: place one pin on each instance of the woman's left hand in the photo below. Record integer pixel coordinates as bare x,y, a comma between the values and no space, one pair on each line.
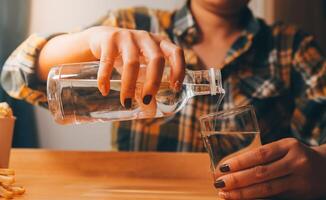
285,169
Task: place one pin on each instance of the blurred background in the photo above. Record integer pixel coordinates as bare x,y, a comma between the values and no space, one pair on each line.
19,18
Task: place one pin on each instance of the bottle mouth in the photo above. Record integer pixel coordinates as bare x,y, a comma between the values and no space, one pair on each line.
216,81
53,88
212,82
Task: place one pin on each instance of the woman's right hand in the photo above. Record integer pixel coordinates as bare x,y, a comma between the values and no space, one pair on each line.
109,44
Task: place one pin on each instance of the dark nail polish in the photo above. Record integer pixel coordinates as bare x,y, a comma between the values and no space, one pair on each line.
128,103
219,184
225,168
147,99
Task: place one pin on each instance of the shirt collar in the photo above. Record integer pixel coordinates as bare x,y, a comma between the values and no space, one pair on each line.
245,40
185,30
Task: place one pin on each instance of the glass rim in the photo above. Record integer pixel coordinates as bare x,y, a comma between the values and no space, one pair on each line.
234,110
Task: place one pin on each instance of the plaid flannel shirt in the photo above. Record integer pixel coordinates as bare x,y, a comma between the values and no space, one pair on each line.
278,69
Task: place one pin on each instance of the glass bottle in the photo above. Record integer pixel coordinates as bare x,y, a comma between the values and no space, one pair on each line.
73,95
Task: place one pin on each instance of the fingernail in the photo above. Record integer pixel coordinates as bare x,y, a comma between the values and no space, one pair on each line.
225,168
222,195
147,99
127,103
219,184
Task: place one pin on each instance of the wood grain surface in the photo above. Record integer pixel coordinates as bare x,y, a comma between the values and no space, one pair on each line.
49,175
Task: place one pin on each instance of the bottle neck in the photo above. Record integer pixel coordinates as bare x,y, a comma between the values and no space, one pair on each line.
204,82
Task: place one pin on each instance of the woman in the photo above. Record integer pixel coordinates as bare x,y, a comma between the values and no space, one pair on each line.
278,69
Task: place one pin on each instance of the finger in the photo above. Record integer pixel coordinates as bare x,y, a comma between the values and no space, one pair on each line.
254,175
261,190
158,38
259,156
130,56
175,56
155,66
147,111
108,54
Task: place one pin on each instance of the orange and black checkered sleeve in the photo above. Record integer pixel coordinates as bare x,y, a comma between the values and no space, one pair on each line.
18,76
308,79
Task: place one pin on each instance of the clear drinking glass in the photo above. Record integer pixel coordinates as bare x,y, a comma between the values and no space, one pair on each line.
229,133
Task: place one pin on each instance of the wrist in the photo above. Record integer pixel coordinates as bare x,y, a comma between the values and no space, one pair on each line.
86,34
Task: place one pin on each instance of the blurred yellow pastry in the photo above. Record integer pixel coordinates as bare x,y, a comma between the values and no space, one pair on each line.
5,110
7,188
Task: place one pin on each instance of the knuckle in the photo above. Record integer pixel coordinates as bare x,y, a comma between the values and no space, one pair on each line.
233,180
154,83
114,35
262,154
128,89
125,37
120,31
108,41
238,164
261,172
158,59
118,34
131,63
178,50
143,33
293,143
303,161
106,60
105,66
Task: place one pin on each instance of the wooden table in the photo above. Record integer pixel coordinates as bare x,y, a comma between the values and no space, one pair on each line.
66,175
